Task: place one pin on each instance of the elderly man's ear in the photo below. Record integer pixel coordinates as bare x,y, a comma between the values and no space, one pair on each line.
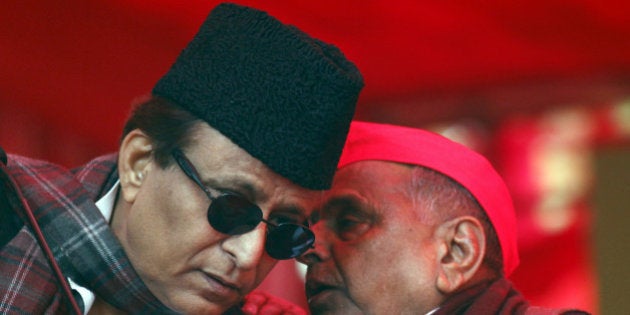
134,162
461,251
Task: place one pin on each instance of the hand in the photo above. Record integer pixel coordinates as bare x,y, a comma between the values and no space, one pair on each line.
262,303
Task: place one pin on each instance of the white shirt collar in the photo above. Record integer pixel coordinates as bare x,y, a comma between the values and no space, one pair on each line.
106,203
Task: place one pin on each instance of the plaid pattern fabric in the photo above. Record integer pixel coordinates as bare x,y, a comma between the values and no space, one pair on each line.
87,251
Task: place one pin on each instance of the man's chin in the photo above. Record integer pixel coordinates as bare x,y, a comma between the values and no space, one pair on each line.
332,302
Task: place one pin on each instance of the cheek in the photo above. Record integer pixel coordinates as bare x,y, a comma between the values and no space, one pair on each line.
364,269
396,271
166,228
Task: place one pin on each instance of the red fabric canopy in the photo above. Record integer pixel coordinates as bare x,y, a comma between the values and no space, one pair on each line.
90,59
69,70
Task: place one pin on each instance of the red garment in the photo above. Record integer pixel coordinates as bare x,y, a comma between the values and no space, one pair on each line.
498,297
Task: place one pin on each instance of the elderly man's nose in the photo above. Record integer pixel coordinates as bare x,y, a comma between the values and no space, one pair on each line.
310,257
319,251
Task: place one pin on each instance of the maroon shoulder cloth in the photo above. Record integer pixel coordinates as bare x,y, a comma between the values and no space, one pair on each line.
496,297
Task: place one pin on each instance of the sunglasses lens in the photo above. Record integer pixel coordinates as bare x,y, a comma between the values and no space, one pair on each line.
233,215
288,240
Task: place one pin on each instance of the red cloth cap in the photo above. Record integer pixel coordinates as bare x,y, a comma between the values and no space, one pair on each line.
371,141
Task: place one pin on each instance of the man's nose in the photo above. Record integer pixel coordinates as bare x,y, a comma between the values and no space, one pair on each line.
320,250
247,249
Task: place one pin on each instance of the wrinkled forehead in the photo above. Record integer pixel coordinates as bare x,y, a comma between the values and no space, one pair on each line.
378,183
372,175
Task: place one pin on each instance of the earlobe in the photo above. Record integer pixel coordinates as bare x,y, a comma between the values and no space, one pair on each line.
134,162
462,250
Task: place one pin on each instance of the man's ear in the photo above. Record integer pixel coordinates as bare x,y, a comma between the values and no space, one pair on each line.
134,162
461,253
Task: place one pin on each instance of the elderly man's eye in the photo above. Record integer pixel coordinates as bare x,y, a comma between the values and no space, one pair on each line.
350,227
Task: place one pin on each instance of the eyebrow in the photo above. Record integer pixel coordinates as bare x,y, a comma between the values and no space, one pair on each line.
241,186
237,184
345,197
353,200
249,191
290,209
353,203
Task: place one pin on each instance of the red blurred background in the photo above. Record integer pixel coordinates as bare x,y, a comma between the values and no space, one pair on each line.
540,87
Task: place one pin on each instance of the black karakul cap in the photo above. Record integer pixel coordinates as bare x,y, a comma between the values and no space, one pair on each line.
283,96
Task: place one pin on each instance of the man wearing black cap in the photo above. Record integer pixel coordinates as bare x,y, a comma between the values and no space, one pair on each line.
215,175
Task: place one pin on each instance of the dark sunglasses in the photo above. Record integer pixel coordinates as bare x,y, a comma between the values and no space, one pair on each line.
234,215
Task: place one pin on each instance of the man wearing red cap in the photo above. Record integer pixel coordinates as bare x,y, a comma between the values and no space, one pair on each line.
414,224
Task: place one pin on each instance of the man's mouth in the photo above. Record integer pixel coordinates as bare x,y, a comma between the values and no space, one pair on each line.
221,287
315,289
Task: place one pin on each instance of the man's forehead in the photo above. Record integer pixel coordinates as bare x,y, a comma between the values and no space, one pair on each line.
370,182
371,170
222,163
219,150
